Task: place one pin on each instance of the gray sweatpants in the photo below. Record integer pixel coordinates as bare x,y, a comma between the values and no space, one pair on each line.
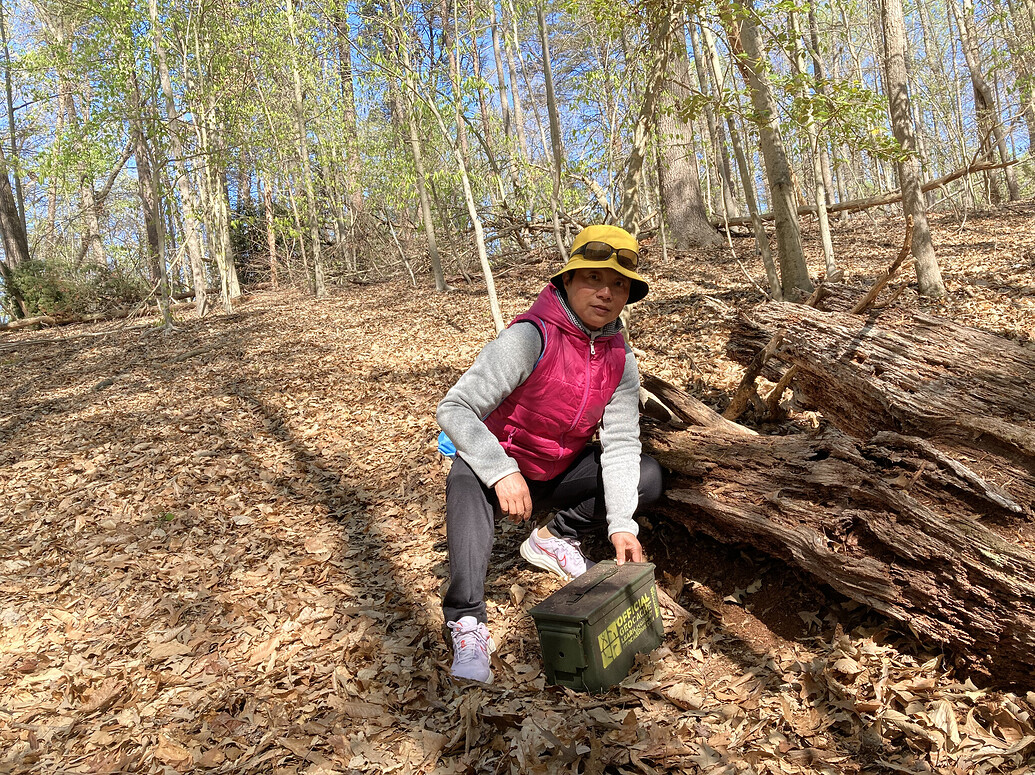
472,508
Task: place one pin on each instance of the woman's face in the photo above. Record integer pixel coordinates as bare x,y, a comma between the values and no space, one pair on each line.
597,296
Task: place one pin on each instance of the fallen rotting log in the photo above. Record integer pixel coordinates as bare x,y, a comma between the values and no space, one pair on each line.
822,292
683,409
967,391
917,495
891,523
891,197
141,309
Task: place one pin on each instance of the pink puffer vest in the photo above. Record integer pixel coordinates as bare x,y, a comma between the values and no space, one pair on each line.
551,417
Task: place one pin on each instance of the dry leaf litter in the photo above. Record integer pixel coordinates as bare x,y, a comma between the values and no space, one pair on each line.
222,550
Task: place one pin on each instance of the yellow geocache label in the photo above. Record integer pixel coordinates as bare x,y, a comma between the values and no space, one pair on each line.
628,626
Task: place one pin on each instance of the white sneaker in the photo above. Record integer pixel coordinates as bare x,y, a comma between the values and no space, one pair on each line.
471,649
557,555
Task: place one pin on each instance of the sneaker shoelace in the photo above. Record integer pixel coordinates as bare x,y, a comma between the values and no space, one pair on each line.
568,553
468,641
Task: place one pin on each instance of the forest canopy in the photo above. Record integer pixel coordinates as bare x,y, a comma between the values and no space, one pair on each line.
164,149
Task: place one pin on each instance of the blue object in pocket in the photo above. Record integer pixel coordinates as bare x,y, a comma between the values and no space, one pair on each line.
446,445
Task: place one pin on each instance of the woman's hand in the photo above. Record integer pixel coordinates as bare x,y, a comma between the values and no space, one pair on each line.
515,500
627,548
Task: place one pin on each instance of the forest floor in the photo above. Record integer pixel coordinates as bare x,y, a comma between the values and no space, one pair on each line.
222,549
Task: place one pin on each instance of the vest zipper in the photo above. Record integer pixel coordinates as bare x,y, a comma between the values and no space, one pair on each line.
585,392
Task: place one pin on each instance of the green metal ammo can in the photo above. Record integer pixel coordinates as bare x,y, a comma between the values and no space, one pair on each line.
591,629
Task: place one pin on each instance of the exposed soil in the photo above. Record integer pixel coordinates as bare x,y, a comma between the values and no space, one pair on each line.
222,549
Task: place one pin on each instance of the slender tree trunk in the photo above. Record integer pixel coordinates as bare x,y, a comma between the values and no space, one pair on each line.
150,201
661,32
12,228
512,49
212,174
55,186
613,156
818,187
485,138
93,245
761,238
1024,60
820,77
715,130
290,187
191,235
226,250
450,41
266,190
16,244
933,50
501,94
353,166
928,275
989,122
313,217
476,222
510,130
425,201
406,100
244,183
556,144
11,121
744,43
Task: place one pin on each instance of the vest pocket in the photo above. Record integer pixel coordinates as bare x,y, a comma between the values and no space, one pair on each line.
522,444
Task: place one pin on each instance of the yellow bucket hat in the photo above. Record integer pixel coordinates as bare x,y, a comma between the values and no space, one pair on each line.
606,246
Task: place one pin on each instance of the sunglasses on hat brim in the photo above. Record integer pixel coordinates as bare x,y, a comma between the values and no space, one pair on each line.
601,251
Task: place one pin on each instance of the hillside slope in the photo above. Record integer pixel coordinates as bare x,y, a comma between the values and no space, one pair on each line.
222,548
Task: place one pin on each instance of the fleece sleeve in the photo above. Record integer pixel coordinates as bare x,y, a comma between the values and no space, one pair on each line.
501,366
620,451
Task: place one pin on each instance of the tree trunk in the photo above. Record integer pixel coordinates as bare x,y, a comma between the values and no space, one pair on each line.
761,238
12,227
266,189
502,93
407,100
212,188
12,124
744,43
926,514
988,120
682,203
661,33
818,186
150,200
353,166
188,200
820,77
16,244
928,274
92,245
715,130
1024,64
305,165
556,143
510,50
966,390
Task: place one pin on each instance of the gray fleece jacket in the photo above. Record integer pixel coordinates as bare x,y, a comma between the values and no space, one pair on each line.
501,366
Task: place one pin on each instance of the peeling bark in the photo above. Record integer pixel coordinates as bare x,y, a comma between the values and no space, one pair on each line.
889,523
916,498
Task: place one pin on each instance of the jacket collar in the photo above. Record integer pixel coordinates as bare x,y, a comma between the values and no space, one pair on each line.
609,330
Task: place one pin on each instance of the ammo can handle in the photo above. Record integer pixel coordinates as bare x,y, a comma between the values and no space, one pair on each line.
601,580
